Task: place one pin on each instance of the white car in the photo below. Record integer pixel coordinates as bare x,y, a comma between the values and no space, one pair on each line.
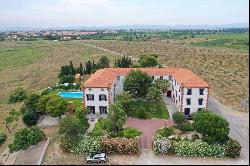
97,158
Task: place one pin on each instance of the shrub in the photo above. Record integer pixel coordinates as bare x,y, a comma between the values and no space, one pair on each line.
186,127
3,137
120,145
179,118
18,95
24,137
232,148
131,133
195,136
56,106
71,126
116,134
161,146
141,113
198,148
30,118
165,132
106,124
68,143
97,131
213,128
87,145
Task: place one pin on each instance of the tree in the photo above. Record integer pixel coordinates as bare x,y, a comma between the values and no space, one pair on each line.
31,102
103,62
179,118
72,69
56,106
125,99
17,95
124,62
13,115
154,93
117,115
41,105
81,115
163,85
30,118
214,128
70,126
137,83
148,60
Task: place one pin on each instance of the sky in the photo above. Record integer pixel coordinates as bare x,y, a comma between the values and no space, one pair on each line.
58,13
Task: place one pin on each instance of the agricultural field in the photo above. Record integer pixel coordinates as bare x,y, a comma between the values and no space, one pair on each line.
35,66
225,69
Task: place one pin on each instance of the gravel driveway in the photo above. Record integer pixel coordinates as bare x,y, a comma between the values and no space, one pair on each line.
238,123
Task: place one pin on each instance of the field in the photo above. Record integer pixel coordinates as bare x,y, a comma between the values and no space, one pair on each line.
225,69
238,41
35,66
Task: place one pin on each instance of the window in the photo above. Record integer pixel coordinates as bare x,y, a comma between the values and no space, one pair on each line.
188,101
179,99
102,97
91,109
103,110
200,101
175,82
118,78
176,93
161,77
153,77
90,97
189,92
201,91
187,111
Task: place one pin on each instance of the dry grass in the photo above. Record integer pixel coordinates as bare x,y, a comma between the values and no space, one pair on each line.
226,70
40,72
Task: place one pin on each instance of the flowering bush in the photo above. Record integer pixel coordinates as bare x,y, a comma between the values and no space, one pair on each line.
232,148
161,146
198,148
87,145
120,145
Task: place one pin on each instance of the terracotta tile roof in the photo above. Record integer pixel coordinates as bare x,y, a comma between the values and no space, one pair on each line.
188,79
104,78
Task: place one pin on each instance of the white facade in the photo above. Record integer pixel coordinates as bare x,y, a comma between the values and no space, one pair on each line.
187,103
96,103
194,98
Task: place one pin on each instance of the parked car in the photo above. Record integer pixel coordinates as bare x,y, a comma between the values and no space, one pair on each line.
97,158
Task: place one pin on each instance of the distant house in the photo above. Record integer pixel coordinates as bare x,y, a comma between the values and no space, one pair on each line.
188,91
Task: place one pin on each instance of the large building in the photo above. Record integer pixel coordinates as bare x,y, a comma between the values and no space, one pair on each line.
188,91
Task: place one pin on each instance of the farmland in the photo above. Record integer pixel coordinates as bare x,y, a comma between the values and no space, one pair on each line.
35,66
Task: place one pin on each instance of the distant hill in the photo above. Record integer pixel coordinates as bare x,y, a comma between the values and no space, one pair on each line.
128,27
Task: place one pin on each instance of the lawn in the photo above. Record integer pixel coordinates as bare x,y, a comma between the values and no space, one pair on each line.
153,109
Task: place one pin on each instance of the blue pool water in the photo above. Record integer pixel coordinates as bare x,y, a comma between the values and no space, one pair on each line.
76,95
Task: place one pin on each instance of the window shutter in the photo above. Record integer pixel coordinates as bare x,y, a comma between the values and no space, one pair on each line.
100,98
105,97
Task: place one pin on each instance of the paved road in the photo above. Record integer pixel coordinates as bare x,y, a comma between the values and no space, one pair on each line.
148,158
238,123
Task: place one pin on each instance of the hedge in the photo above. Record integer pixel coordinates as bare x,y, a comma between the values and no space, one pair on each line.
120,145
198,148
87,145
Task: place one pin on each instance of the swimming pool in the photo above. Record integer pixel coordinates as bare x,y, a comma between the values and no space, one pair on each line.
76,95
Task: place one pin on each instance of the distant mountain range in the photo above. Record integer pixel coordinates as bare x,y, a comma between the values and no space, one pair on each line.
128,27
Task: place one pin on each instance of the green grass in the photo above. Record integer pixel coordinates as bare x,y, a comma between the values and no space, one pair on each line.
152,109
227,40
